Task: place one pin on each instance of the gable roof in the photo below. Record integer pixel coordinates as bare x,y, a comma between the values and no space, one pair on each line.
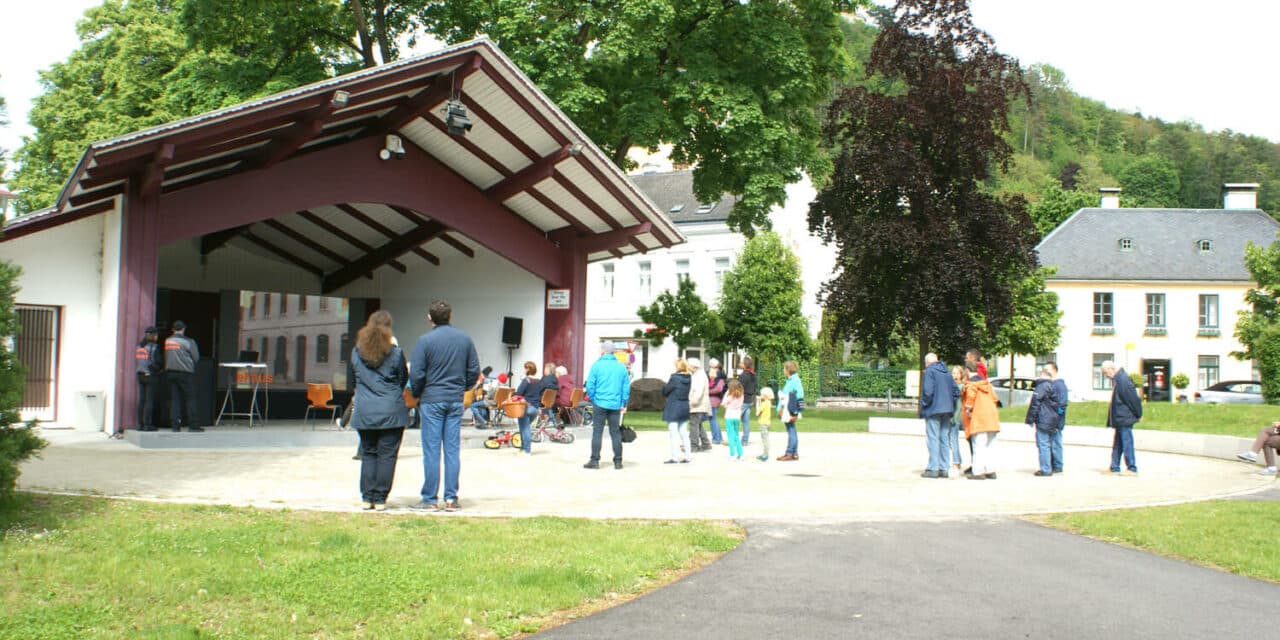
673,189
1164,244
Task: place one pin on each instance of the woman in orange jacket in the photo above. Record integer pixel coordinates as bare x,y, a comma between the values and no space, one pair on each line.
981,422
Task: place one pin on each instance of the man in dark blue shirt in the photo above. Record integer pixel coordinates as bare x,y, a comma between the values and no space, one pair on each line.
444,364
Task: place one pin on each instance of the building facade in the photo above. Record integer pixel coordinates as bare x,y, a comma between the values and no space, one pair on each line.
301,338
617,288
1157,291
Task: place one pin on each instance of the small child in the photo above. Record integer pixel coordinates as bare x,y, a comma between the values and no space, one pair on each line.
764,411
732,404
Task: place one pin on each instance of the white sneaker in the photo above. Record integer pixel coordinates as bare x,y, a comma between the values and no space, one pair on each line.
1248,456
1267,471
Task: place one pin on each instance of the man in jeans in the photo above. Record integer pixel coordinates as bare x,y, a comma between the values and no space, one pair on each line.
180,357
938,394
1124,411
609,388
444,364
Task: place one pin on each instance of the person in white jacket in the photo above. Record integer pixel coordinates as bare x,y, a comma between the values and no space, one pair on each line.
699,406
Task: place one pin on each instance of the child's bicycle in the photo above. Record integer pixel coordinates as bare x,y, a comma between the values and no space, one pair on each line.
510,438
540,430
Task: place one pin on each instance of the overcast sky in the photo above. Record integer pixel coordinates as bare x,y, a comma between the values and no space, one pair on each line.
1174,59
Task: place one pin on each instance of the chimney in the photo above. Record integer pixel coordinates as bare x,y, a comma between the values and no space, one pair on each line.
1240,195
1110,197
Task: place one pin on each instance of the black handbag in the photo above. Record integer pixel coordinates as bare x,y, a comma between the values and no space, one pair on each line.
628,434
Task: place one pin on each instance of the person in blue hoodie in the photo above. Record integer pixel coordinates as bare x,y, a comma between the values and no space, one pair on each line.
609,387
1042,413
938,394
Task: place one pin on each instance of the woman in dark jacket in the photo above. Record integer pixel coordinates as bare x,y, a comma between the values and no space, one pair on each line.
676,412
531,390
380,416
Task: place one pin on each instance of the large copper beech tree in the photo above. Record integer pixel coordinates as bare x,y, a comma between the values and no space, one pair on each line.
923,250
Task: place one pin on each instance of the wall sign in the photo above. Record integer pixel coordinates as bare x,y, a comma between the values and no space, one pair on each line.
557,298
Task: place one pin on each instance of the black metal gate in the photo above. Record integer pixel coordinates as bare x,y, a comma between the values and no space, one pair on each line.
37,348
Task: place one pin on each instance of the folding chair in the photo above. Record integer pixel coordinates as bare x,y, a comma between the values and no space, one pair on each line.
320,395
495,412
549,402
572,412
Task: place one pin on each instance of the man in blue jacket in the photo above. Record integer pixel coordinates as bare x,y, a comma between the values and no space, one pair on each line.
938,394
609,387
443,366
1124,411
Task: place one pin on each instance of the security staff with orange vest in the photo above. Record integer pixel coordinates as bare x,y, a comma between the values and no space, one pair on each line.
180,357
147,362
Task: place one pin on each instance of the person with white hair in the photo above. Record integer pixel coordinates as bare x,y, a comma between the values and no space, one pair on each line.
1124,412
717,382
938,393
609,387
699,406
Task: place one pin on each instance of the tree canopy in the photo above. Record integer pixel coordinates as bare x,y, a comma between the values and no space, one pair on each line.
923,249
760,302
1258,328
681,316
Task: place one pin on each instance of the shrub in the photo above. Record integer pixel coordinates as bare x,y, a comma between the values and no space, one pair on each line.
17,442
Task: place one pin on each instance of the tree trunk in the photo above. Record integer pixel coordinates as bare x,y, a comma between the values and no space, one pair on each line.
380,24
619,155
362,29
924,349
1010,378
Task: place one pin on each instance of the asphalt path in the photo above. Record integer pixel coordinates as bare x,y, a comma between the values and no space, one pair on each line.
965,578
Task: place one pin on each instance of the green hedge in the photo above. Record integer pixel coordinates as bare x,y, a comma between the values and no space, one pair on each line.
827,381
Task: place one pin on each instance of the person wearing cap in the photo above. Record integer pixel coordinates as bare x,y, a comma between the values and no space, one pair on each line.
180,357
609,387
147,364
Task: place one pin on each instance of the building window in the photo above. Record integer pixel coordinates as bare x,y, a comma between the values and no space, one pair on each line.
248,344
676,208
722,267
1042,360
607,281
682,270
344,348
284,304
322,349
266,305
1155,310
253,306
1126,244
646,280
280,363
323,304
302,304
262,353
706,208
1208,375
1100,380
1209,311
1102,308
1204,246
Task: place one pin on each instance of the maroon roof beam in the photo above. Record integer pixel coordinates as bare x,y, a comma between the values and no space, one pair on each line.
381,228
394,249
347,237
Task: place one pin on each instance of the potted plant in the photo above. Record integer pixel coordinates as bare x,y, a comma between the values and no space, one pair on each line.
1180,381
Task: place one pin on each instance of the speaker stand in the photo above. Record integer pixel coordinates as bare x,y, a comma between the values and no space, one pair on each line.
511,349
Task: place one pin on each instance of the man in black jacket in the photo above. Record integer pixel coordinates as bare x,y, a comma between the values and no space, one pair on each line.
180,357
1124,411
147,364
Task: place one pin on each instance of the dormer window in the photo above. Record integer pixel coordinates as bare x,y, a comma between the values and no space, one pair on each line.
706,208
676,209
1204,246
1126,244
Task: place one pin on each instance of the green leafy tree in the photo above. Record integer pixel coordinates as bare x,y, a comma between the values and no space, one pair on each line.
1258,328
681,316
1150,181
732,86
760,302
1056,205
4,122
923,250
17,442
1034,326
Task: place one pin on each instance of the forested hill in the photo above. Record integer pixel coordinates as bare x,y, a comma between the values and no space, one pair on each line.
1066,141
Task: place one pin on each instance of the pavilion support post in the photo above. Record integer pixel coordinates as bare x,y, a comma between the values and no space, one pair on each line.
138,276
564,331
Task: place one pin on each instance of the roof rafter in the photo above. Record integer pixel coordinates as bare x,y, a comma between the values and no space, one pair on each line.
347,237
286,255
524,179
397,247
384,230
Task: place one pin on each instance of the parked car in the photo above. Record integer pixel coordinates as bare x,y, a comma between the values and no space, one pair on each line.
1023,389
1232,392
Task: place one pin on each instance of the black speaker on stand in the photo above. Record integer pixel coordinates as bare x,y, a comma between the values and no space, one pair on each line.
512,332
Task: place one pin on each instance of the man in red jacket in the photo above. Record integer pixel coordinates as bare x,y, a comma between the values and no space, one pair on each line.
975,356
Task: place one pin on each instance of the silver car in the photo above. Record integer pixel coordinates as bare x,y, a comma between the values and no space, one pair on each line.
1232,392
1023,389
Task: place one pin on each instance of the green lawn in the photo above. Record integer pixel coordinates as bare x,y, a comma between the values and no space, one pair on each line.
88,567
1235,536
812,421
1227,419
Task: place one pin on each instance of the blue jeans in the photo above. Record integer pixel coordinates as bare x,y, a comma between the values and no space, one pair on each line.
1123,444
526,434
1050,446
953,436
598,418
715,425
938,438
746,422
441,428
793,442
479,413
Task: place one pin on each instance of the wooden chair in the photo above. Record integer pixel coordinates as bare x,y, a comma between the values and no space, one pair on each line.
468,397
500,396
572,412
320,396
549,401
410,402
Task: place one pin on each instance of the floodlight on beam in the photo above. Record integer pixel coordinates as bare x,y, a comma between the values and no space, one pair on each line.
456,119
